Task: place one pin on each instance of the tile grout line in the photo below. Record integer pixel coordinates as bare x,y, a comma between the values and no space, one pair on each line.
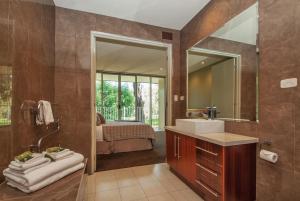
132,174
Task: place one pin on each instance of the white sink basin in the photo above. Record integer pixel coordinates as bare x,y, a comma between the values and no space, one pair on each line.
200,126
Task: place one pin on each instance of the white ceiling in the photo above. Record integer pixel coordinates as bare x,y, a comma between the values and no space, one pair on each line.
122,57
173,14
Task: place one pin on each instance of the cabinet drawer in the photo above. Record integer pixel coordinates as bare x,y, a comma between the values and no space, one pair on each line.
209,155
209,177
207,193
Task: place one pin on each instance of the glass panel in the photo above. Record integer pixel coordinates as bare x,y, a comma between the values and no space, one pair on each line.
5,95
143,99
98,92
158,103
143,79
127,98
109,107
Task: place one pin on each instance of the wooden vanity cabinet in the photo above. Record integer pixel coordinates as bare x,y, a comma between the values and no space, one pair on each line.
181,155
216,173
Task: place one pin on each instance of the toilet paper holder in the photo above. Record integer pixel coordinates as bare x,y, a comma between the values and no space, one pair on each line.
265,143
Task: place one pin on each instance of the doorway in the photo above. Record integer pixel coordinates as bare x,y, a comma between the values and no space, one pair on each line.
149,95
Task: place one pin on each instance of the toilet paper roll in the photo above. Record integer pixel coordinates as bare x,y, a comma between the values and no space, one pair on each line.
268,156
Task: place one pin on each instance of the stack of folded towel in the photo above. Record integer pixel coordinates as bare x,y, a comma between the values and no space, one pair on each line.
30,172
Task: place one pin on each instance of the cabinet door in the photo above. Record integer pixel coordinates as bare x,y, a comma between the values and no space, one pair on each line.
190,159
181,155
171,140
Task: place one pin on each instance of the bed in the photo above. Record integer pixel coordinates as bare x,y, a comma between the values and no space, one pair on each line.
119,137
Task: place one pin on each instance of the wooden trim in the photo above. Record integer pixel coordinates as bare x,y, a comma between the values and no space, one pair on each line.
96,34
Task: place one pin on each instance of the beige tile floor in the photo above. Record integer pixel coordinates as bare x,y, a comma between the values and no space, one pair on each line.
142,183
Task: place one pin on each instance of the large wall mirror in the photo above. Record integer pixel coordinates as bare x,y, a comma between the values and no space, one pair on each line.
222,69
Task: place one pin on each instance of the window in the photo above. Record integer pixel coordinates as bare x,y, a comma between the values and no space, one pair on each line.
5,95
131,98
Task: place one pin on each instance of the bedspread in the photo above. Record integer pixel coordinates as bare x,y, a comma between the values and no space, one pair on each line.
127,130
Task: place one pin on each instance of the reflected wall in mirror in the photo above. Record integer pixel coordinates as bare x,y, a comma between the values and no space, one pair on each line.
222,69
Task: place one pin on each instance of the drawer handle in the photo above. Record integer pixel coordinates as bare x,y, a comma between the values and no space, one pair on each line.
207,170
212,153
178,148
206,188
175,146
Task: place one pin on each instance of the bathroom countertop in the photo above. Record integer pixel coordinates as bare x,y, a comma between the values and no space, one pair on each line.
223,139
69,188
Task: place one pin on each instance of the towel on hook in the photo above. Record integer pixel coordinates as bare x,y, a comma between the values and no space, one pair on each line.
45,114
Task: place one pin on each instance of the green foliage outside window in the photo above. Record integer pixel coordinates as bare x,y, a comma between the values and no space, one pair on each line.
109,105
5,95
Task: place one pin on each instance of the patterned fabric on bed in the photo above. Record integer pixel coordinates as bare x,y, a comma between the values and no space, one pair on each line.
127,130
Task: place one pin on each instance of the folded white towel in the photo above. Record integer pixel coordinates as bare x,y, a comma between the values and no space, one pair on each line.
60,155
26,171
47,181
45,114
40,174
24,166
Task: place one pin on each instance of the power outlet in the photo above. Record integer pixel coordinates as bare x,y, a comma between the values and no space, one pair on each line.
175,98
288,83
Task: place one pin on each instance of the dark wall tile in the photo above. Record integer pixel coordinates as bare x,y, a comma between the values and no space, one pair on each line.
274,184
6,145
280,130
85,23
65,23
243,128
83,53
27,39
5,33
65,51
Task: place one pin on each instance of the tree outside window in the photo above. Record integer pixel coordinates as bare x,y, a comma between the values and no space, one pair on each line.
5,95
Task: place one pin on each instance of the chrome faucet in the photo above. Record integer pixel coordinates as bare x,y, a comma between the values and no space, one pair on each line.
211,112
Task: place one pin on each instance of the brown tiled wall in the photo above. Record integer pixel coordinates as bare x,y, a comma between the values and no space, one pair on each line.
73,68
279,116
27,45
248,71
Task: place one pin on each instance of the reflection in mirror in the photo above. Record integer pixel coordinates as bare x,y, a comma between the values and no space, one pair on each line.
5,95
222,69
213,81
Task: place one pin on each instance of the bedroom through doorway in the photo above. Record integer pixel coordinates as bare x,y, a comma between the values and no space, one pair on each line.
132,83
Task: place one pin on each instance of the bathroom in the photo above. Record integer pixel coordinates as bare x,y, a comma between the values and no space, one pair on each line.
46,54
